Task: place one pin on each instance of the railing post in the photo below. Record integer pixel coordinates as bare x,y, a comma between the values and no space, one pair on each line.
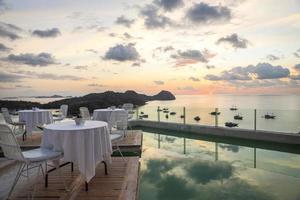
254,119
158,114
184,146
137,112
216,117
184,119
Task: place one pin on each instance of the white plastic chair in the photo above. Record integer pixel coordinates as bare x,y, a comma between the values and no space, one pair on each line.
8,120
85,113
129,108
64,113
27,159
119,133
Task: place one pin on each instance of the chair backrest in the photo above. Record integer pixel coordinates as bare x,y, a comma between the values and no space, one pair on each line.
9,144
6,115
127,106
64,110
122,121
85,113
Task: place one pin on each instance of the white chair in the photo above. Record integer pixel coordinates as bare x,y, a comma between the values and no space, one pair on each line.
15,125
27,159
129,108
119,133
85,113
64,113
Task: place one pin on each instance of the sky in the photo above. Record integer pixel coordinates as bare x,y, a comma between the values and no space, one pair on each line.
187,47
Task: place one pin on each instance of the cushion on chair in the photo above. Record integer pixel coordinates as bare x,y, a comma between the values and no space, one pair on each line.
41,154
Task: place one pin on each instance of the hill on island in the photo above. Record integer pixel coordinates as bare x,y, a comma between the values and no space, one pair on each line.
92,101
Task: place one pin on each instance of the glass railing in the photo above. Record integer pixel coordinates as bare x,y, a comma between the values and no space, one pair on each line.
253,119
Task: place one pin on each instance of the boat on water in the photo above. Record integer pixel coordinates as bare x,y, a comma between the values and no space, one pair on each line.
197,118
233,108
181,116
238,117
231,124
215,113
269,116
165,111
172,113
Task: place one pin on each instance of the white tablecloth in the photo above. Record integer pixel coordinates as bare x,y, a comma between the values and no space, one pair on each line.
32,118
108,115
85,145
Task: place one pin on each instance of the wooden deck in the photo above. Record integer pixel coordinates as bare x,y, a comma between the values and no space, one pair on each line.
121,183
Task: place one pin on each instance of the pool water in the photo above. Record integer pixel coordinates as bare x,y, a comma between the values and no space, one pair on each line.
185,167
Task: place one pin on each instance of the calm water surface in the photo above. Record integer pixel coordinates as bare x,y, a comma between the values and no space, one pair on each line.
175,167
285,108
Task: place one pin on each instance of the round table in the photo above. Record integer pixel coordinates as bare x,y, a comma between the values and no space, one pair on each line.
108,115
85,145
32,118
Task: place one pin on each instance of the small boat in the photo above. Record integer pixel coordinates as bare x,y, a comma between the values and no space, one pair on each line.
159,110
167,116
165,108
238,117
215,113
197,118
269,116
181,116
165,111
142,113
172,113
145,116
233,108
231,124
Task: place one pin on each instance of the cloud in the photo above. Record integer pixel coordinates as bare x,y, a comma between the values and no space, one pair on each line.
22,86
3,6
95,85
187,88
4,48
159,82
165,48
9,77
47,76
260,71
297,67
153,19
41,59
234,40
169,5
122,20
203,13
122,53
92,51
194,79
54,32
272,57
127,35
191,56
210,66
295,77
81,67
9,31
136,64
297,53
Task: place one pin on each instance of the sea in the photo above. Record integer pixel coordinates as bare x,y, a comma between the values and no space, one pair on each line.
285,108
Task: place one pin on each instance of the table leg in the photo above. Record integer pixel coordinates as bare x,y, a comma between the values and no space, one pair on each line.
86,186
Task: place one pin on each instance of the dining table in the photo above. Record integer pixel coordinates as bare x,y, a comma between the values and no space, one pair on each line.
86,145
109,115
34,118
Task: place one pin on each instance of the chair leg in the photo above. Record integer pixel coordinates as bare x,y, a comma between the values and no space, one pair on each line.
118,149
16,179
35,182
24,135
56,162
105,167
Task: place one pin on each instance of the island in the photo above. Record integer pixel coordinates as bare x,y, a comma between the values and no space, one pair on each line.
92,101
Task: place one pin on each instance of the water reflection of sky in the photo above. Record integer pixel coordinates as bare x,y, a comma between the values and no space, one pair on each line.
170,171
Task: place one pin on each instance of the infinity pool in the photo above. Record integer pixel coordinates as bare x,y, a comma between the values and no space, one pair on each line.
187,167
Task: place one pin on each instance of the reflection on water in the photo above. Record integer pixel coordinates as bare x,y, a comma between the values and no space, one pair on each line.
175,167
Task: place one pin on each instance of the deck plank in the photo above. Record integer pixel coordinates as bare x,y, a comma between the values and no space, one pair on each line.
120,183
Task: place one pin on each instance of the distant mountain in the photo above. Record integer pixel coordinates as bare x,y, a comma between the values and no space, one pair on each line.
53,96
93,101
